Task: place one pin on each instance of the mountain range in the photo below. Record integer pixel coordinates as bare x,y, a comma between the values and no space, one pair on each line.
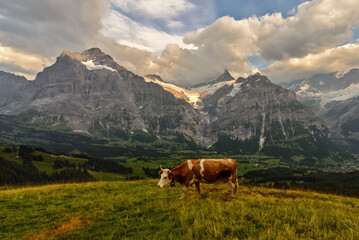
335,98
89,94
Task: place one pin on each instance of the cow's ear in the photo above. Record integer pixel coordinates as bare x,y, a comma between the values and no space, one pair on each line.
160,172
171,174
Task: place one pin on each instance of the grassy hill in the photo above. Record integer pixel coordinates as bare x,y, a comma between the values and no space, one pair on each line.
47,164
138,210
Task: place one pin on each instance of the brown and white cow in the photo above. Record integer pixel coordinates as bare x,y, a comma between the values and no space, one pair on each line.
201,170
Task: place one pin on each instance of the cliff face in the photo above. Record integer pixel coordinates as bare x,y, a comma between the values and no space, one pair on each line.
256,110
10,87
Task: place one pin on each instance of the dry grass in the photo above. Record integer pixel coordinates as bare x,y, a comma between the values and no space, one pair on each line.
72,224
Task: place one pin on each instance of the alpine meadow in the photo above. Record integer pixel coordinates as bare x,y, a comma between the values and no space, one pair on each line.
179,119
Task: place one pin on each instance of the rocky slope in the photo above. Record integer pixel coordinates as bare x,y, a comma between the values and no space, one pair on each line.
10,87
254,114
335,99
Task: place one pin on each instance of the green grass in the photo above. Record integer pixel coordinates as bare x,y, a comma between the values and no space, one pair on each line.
48,163
44,166
102,176
138,210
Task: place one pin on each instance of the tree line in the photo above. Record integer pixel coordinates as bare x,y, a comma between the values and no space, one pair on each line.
12,173
346,184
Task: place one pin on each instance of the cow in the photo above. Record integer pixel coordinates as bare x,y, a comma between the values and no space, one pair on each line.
200,170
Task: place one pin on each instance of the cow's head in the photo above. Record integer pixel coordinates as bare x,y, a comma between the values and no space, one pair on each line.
166,177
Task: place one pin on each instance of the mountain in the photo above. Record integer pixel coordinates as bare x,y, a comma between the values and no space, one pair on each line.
10,85
225,77
88,93
253,115
195,94
335,98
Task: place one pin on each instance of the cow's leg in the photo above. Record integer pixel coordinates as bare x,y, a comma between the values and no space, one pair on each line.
233,186
237,187
234,183
184,190
198,188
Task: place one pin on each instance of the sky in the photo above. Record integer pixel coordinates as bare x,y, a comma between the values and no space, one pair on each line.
185,41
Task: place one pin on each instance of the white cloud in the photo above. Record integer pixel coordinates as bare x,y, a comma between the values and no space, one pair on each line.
48,27
157,9
134,34
228,42
317,26
341,59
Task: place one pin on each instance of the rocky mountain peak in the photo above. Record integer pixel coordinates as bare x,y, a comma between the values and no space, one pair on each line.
93,58
155,77
257,77
226,76
93,51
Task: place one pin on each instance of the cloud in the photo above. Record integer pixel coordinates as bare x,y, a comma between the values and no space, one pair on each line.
316,26
171,16
20,62
48,27
157,9
147,39
35,32
338,59
228,42
42,30
134,34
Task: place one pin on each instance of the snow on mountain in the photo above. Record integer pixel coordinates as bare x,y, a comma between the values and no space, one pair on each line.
337,96
194,95
235,90
91,66
321,89
334,98
212,88
191,97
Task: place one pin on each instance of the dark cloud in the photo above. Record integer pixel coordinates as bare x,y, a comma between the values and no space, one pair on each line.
13,67
48,27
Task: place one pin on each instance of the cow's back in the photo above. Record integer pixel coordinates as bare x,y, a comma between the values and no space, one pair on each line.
211,170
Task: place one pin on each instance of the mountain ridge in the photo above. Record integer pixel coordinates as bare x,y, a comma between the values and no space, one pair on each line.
335,99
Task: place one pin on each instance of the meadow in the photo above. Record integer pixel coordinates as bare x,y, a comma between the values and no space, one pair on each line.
138,210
